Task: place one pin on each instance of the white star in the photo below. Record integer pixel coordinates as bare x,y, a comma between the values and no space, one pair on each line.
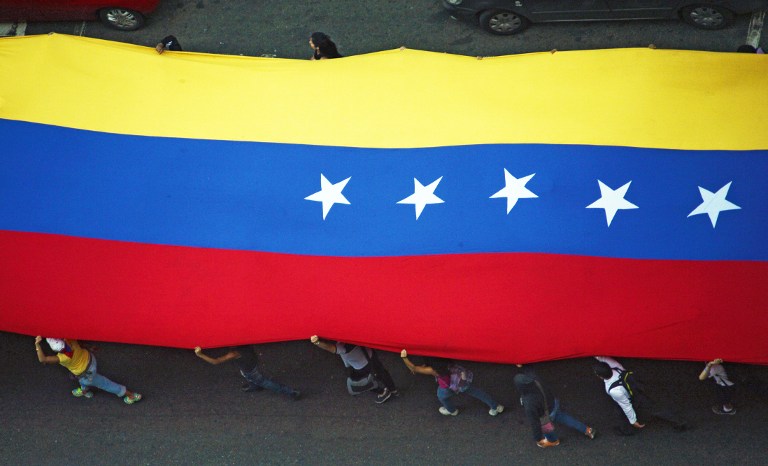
422,195
514,189
612,201
329,194
714,203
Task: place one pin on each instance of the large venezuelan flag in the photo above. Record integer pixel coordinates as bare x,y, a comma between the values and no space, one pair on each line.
510,209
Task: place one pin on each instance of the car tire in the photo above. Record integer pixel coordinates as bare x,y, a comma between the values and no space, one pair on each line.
502,22
123,19
706,16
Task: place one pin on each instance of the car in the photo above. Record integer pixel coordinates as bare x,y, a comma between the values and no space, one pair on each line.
125,15
506,17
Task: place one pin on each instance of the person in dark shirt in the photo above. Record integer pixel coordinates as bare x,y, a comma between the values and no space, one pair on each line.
746,48
168,43
543,409
247,361
323,47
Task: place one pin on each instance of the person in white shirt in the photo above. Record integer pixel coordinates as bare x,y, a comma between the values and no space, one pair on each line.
607,367
365,372
724,388
610,361
611,371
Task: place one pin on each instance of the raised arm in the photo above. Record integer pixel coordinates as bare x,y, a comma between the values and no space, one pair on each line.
705,373
216,361
328,346
426,370
41,356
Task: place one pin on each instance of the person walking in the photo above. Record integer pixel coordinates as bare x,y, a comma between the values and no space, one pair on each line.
365,372
724,388
543,410
629,395
82,364
452,379
247,360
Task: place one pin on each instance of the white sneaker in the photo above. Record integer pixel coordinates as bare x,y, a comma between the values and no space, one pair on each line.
445,412
499,409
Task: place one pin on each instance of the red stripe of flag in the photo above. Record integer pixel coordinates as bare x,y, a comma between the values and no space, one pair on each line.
486,307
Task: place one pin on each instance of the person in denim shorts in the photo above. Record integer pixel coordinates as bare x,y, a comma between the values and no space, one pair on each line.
82,364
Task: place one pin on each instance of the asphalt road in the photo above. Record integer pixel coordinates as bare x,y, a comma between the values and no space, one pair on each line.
195,413
282,28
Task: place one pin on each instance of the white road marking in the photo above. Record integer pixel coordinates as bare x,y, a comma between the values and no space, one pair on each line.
755,29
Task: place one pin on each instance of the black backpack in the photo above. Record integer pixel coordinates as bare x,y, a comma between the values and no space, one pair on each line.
628,381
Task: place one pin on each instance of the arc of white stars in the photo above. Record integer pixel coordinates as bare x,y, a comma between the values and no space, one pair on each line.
422,195
514,189
714,203
612,201
329,194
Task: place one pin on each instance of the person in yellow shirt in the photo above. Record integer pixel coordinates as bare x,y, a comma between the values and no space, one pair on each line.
82,363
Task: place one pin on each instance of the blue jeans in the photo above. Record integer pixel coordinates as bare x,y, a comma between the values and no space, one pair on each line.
91,378
255,378
445,395
561,417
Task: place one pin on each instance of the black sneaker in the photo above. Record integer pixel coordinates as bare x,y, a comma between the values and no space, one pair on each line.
383,396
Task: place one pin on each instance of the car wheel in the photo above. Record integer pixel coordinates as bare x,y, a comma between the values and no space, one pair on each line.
123,19
502,22
707,16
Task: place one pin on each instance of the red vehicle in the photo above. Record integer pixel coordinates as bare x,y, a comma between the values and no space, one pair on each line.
126,15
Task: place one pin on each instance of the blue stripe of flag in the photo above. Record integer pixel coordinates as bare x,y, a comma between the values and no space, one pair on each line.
251,196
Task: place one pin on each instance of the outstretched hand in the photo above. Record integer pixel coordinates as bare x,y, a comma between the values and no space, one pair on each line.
198,350
314,339
403,354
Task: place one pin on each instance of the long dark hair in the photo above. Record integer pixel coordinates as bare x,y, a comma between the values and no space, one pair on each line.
440,365
324,46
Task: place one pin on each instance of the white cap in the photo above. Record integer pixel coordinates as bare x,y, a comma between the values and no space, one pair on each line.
56,344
